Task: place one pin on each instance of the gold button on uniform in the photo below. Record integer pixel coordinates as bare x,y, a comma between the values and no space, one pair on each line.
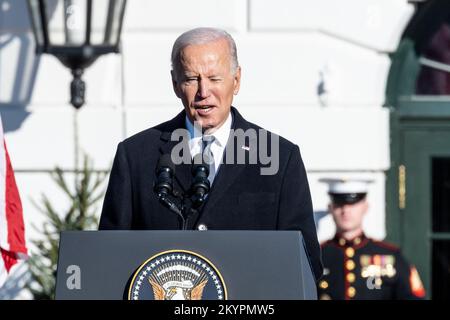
351,277
357,241
350,252
351,292
342,241
350,265
323,284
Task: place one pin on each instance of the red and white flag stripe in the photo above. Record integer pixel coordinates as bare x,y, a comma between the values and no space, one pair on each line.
12,230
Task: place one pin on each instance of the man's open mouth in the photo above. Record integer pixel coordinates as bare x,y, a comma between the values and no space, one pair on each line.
203,109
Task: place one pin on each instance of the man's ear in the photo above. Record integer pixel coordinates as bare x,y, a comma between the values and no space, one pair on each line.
237,80
175,86
366,206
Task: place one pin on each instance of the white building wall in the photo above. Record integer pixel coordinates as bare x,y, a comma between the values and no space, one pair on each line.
287,49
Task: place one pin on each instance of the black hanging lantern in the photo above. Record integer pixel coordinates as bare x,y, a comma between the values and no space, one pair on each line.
77,32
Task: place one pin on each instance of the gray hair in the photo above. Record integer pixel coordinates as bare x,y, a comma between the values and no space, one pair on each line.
201,36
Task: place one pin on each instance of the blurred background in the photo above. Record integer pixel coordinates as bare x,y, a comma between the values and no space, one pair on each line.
362,86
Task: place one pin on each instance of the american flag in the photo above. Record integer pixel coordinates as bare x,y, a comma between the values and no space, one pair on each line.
12,230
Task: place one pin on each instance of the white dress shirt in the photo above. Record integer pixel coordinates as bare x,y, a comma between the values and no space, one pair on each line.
221,136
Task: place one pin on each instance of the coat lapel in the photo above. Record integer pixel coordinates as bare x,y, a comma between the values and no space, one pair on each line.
183,170
225,177
228,173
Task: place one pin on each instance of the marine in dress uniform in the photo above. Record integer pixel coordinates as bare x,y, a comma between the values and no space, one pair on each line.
358,267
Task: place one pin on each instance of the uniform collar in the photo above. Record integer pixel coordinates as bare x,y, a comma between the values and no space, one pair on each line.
355,242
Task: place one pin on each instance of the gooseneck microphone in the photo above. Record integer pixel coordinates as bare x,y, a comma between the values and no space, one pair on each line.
182,204
165,171
200,184
164,175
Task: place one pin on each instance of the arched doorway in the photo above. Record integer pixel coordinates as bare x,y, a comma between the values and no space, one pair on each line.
418,184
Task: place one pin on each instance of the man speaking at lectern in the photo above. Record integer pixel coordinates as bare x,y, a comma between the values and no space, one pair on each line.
243,195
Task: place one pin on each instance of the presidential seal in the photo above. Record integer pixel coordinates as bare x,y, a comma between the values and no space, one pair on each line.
177,275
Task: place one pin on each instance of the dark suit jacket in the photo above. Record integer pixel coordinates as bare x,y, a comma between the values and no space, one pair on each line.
240,197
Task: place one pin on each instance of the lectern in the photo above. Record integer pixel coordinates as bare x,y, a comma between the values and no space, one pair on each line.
184,265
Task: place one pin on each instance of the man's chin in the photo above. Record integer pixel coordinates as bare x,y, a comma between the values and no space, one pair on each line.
209,129
208,125
345,228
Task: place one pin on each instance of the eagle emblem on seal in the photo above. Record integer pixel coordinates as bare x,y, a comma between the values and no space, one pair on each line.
177,275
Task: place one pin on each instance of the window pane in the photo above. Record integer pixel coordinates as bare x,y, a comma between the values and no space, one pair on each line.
441,194
67,21
115,13
441,270
99,13
36,20
434,77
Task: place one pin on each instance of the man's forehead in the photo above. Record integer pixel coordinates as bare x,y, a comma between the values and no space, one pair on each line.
207,68
206,62
218,48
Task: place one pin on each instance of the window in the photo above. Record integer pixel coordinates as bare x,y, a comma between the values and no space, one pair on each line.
434,76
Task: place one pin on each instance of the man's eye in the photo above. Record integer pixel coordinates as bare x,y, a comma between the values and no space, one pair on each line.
216,79
190,81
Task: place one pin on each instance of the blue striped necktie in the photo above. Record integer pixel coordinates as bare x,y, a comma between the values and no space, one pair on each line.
208,156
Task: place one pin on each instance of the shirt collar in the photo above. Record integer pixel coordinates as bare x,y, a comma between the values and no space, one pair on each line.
220,134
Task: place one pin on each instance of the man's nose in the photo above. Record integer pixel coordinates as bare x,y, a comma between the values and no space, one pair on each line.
203,89
346,208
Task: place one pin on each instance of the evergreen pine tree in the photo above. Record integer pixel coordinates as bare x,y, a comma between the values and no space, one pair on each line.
81,215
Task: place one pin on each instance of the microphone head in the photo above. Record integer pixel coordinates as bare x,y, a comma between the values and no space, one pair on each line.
165,170
200,185
165,161
200,162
